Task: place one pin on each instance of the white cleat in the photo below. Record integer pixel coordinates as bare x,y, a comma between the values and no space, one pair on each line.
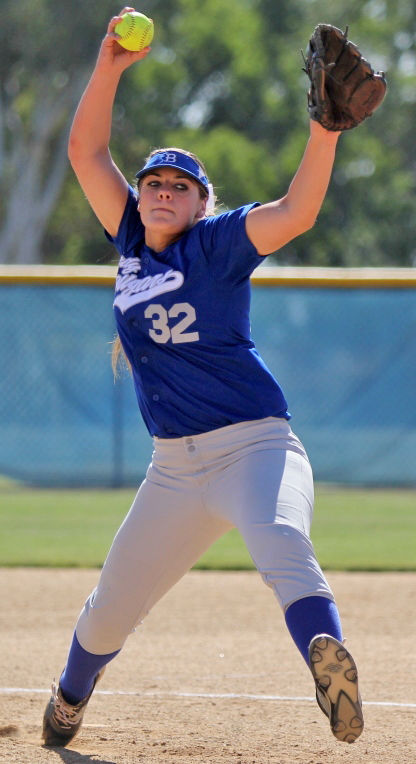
336,680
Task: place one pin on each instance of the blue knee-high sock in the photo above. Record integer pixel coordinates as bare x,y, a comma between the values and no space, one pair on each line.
82,667
310,616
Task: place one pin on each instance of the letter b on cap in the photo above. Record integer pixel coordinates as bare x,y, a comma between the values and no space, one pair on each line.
167,157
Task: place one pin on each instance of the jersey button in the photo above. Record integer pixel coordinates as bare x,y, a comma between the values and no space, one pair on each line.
144,359
191,448
155,397
189,440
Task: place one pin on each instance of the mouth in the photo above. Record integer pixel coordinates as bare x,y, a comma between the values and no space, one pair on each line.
162,209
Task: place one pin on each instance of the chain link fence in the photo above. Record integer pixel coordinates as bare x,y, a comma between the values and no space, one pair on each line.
343,349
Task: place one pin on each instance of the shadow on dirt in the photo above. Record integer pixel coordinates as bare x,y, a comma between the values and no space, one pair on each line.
73,757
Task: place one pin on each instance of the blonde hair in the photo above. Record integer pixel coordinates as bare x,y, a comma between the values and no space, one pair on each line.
118,357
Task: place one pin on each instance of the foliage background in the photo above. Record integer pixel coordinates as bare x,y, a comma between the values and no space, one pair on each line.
226,81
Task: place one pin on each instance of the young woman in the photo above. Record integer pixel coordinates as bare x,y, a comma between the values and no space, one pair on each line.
224,453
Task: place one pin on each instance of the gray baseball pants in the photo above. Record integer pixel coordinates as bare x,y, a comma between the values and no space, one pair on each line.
254,476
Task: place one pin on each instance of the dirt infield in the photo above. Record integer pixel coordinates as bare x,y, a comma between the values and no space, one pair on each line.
211,676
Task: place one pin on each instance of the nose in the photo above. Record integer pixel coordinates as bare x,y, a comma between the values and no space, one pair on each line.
164,192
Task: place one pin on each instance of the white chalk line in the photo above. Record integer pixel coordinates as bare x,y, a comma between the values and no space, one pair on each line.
207,695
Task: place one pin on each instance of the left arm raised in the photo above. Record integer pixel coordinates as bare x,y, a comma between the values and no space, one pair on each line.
272,225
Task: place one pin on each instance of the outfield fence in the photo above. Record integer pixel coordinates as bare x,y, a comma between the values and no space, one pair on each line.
341,342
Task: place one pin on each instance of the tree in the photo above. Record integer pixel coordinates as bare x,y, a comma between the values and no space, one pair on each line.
226,82
43,71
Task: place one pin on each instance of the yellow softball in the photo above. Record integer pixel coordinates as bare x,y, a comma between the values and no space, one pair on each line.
135,30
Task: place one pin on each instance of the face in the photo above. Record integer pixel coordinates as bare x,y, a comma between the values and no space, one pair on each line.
169,203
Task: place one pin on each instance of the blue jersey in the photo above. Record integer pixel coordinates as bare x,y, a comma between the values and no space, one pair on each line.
183,320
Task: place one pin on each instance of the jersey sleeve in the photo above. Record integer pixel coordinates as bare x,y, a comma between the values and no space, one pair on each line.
131,229
226,245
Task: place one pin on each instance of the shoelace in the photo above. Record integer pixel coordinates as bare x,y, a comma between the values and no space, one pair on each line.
65,714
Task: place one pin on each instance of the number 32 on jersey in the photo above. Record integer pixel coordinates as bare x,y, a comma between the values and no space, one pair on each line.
164,327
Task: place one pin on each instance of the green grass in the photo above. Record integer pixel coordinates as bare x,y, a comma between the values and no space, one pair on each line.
59,528
354,529
357,529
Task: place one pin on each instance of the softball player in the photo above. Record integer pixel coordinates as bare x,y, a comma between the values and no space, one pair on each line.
224,452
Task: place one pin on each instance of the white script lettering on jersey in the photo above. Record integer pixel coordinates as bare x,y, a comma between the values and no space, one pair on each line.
130,290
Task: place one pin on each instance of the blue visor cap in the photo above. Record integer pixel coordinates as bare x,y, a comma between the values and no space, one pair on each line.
180,162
